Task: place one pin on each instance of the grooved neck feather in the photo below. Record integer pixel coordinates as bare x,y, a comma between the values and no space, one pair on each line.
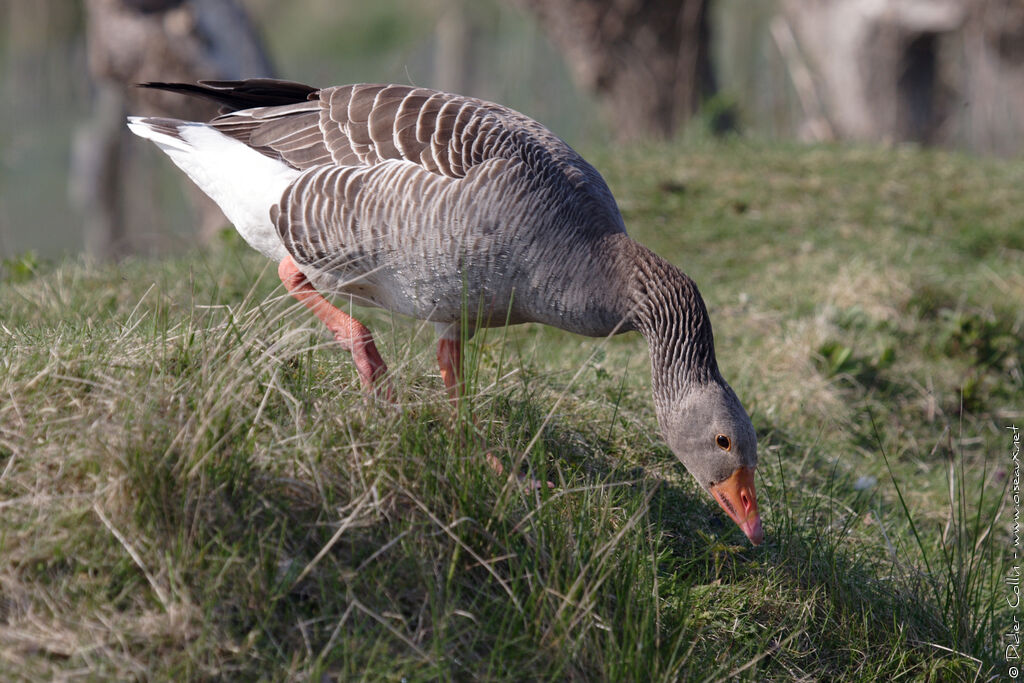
669,312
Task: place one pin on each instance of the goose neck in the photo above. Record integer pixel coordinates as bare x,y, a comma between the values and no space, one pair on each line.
670,313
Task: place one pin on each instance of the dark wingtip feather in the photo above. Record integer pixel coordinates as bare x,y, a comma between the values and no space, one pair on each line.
238,95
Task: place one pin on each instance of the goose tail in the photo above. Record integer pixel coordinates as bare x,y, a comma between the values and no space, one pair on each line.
244,183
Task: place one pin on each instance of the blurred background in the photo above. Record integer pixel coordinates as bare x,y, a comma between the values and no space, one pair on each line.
598,72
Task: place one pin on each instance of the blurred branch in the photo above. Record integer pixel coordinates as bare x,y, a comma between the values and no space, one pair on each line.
818,127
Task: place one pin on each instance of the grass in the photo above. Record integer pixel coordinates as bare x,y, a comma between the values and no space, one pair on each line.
193,486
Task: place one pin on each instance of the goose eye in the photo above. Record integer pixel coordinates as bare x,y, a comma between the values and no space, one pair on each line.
723,442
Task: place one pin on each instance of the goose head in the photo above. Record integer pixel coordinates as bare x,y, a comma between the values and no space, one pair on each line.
711,435
700,416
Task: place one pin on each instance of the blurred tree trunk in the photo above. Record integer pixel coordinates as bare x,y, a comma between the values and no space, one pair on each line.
648,61
133,41
881,70
933,72
992,77
95,179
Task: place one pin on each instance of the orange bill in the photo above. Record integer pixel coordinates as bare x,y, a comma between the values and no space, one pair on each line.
737,497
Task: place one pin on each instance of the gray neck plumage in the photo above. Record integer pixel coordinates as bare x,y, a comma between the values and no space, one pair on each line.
669,312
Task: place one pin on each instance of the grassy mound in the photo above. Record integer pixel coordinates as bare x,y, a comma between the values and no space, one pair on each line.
192,484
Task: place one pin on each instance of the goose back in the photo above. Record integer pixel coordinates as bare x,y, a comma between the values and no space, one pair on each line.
424,202
446,134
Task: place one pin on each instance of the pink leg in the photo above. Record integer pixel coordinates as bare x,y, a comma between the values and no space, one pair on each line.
449,358
349,332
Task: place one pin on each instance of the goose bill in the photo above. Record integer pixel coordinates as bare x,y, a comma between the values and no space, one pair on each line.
737,497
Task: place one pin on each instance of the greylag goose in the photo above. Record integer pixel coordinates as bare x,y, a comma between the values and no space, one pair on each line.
417,201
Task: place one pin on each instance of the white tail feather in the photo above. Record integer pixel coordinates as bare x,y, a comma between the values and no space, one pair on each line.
243,182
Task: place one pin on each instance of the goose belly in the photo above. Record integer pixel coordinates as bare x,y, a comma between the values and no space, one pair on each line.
442,295
489,291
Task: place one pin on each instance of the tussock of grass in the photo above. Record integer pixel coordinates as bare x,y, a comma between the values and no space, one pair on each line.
193,485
